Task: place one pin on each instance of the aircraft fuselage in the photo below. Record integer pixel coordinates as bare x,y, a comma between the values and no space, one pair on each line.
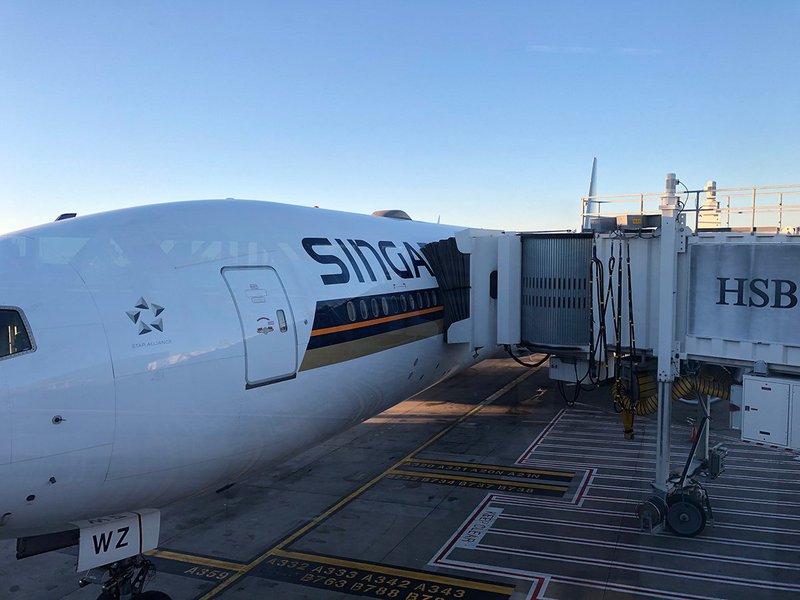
176,348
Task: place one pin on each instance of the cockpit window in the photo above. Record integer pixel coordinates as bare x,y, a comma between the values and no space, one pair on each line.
14,336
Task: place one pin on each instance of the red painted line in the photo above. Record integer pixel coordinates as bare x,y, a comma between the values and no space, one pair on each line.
534,593
586,481
792,451
540,437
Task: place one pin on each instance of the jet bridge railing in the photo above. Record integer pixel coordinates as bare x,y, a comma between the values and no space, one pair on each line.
772,208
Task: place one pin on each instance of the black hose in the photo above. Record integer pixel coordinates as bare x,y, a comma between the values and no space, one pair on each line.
524,364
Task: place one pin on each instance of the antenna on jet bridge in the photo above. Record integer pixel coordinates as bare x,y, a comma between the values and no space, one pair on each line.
591,205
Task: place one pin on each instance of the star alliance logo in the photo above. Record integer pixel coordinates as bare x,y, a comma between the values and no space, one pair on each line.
141,316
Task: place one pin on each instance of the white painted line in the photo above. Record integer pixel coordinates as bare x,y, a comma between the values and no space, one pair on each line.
639,548
639,568
603,451
474,568
650,440
717,511
636,530
541,436
626,589
583,487
563,507
721,486
629,514
542,451
715,497
550,463
706,483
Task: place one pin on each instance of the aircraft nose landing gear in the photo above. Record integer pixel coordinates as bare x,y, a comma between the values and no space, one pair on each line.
125,579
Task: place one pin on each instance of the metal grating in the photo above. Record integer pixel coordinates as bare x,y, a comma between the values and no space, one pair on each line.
556,291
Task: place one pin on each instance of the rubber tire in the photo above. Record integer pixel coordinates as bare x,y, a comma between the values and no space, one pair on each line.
685,504
153,595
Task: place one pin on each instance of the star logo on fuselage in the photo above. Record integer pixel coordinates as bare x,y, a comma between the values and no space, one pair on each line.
146,316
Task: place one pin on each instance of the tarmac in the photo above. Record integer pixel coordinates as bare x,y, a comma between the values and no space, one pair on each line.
484,487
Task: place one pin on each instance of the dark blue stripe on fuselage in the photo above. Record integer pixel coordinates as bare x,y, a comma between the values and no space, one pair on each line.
363,309
357,333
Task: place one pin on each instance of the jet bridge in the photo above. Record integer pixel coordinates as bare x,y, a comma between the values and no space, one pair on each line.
662,296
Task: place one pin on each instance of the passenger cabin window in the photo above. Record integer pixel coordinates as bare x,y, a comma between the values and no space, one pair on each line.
14,336
282,321
351,311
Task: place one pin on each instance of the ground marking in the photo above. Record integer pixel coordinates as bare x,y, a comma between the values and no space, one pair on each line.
349,498
196,560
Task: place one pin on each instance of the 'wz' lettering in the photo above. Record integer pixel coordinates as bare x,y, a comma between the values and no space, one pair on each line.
364,260
103,541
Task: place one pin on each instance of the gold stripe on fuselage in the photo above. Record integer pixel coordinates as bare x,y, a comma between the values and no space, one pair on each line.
349,326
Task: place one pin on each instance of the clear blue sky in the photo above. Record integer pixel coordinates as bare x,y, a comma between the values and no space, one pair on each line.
483,113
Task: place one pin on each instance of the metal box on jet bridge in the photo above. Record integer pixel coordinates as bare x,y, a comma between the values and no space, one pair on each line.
771,411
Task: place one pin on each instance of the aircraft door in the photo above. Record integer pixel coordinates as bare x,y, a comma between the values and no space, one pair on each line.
268,328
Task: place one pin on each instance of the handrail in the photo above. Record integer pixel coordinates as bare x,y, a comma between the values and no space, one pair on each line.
718,205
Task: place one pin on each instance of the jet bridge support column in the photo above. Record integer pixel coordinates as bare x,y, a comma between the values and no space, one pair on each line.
668,362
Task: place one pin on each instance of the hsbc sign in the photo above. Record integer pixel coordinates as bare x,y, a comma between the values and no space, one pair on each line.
745,292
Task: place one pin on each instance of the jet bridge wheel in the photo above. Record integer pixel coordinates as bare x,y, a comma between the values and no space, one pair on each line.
686,517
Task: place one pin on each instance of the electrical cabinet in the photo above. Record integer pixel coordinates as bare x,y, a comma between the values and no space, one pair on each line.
765,414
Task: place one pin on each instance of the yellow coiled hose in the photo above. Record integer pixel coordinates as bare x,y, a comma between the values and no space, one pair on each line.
683,387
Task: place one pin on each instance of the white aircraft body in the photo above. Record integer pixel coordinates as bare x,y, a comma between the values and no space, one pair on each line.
151,353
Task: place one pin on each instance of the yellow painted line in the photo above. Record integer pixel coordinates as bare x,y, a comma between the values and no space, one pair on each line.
495,467
536,486
405,315
196,560
349,498
423,575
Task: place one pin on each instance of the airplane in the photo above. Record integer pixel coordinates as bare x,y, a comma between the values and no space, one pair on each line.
152,353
